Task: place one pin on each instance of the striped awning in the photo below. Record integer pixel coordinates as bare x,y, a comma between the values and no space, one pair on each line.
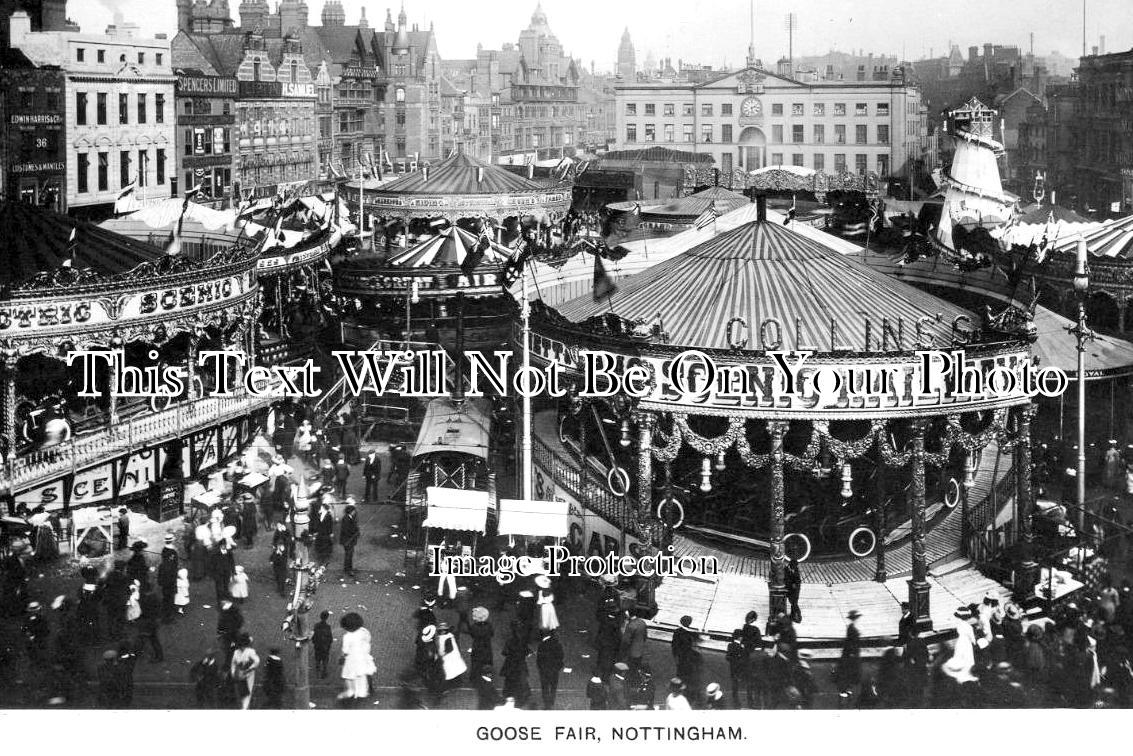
1113,239
459,174
761,271
449,249
1106,356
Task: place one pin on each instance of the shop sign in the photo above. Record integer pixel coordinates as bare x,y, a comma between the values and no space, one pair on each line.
206,85
38,168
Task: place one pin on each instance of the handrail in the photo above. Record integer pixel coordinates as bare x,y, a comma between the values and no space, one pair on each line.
127,436
984,541
594,496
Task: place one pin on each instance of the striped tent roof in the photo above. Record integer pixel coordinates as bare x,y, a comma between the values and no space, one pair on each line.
459,174
36,241
1113,239
761,271
1106,356
695,204
448,249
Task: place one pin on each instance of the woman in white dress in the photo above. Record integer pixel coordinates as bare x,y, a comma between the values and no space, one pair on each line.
959,666
245,662
548,617
357,659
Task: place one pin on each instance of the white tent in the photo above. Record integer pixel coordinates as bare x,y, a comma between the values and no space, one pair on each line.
534,518
456,509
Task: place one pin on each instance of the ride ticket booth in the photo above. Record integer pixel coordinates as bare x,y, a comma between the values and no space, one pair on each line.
453,515
534,519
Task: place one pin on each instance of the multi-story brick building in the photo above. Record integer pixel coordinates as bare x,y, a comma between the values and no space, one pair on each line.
1102,132
118,99
206,133
752,118
32,137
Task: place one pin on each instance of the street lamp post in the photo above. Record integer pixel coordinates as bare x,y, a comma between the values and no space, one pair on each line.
1083,334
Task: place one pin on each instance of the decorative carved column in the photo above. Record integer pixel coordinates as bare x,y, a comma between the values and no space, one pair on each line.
918,584
1027,572
112,380
8,360
644,464
1121,307
191,364
778,584
880,574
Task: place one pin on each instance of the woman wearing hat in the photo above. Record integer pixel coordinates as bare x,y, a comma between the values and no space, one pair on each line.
548,618
849,671
357,658
426,662
137,568
481,632
452,663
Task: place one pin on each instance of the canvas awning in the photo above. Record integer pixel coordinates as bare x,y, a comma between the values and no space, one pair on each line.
451,428
534,518
456,509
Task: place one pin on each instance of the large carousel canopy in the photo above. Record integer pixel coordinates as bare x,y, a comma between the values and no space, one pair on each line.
1106,357
1037,222
436,264
762,271
687,209
462,186
1112,240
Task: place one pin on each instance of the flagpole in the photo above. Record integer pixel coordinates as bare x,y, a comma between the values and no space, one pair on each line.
525,314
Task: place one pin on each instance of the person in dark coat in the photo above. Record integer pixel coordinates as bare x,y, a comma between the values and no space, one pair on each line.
687,658
137,568
323,530
90,598
167,577
37,635
206,676
148,624
279,568
109,681
487,697
793,579
341,475
198,556
514,669
739,665
350,445
633,640
917,662
597,694
848,674
127,660
322,638
549,662
608,638
274,681
248,520
348,536
617,690
229,624
425,615
481,631
372,471
222,565
123,529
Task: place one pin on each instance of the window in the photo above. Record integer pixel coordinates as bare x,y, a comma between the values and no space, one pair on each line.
777,109
103,169
255,70
820,109
52,100
294,72
797,109
124,108
631,108
883,134
399,94
143,167
797,159
706,133
776,158
669,109
797,133
669,132
861,109
706,109
688,132
141,108
861,163
777,133
819,134
123,169
631,132
883,165
188,141
839,133
726,109
159,57
80,54
726,132
687,109
159,108
839,162
650,109
839,109
160,167
141,58
101,56
100,108
819,162
861,135
883,108
84,169
81,108
650,132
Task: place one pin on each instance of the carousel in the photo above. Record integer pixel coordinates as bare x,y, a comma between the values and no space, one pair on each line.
71,286
868,481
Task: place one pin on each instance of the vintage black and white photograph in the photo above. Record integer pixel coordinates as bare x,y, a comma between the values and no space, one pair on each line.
572,356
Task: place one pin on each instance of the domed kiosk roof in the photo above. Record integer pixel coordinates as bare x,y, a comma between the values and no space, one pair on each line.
762,271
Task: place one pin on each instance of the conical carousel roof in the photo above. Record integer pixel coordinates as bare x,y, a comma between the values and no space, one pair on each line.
460,174
695,204
765,270
449,249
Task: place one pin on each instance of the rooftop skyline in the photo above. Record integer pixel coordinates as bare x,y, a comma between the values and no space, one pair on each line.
718,33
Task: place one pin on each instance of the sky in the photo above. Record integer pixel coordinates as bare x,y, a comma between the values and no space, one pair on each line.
716,32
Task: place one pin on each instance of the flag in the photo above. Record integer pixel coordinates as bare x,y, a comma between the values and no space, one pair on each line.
173,244
190,193
69,260
473,256
707,218
435,222
126,202
514,267
604,286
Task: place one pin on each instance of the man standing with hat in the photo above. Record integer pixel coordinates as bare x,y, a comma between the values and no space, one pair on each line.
617,697
37,633
633,640
123,528
849,671
714,697
167,577
137,568
676,700
372,472
549,662
348,536
686,656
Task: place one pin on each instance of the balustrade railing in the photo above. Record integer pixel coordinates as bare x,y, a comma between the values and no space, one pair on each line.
594,495
984,540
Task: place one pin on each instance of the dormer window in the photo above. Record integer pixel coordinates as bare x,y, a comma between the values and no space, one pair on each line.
294,72
255,70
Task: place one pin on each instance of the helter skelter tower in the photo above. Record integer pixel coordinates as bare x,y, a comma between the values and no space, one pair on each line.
973,194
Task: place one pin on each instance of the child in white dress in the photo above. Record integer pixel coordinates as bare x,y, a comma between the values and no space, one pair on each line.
133,602
238,586
181,598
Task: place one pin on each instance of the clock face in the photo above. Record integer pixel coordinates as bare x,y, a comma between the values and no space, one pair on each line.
751,107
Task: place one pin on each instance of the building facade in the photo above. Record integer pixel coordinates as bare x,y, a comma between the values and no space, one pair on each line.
206,134
627,58
33,159
119,122
751,118
1102,139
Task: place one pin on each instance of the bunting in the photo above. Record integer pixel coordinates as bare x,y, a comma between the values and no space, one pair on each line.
604,286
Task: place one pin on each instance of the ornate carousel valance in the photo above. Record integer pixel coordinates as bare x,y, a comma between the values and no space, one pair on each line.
782,178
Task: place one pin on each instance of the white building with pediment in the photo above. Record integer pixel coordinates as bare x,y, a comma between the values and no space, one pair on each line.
119,122
752,118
